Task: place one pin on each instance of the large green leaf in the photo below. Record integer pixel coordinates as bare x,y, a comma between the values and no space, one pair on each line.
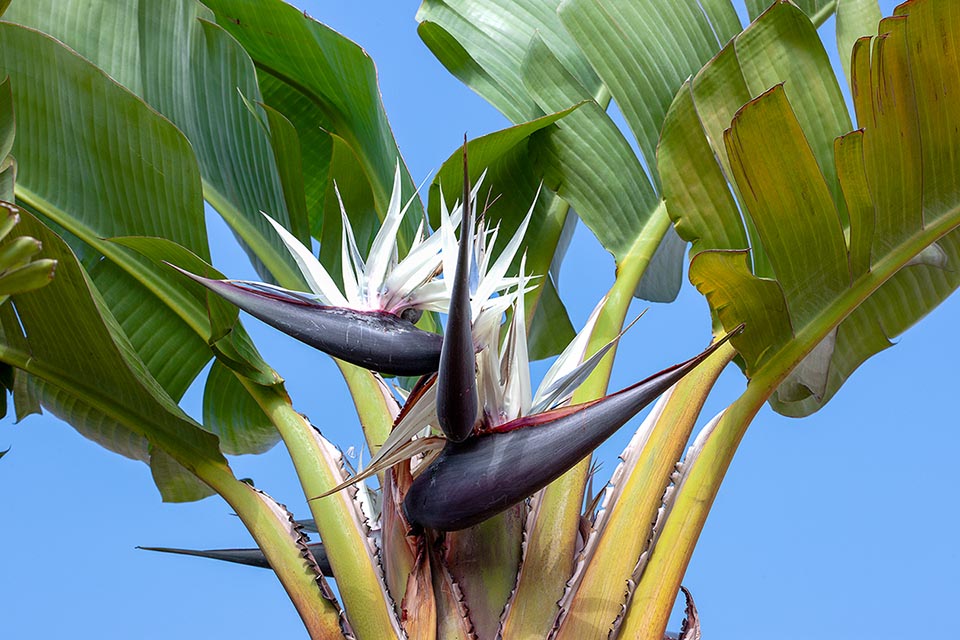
477,44
89,374
229,411
817,10
644,51
527,59
171,54
848,267
322,82
120,169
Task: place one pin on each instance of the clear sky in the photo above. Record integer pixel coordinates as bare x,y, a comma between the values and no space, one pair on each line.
842,524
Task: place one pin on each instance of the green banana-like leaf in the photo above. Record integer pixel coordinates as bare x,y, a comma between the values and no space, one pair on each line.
228,409
486,51
324,84
90,375
121,169
627,43
855,19
540,60
849,267
171,54
780,47
817,10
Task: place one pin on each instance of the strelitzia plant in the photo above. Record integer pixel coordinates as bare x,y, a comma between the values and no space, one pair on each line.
812,244
498,443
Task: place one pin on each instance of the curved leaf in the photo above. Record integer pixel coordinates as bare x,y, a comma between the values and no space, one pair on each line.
171,54
843,285
123,171
474,41
533,63
88,374
319,80
144,183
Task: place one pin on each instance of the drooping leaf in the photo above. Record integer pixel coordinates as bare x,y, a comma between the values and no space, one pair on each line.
486,52
231,413
88,374
171,54
845,284
145,183
319,80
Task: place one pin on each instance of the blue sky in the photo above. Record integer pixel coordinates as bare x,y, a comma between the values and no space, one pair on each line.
842,523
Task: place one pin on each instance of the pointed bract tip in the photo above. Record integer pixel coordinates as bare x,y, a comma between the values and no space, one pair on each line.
457,397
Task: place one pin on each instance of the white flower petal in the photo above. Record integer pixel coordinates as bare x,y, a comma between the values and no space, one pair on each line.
313,272
385,242
490,281
566,375
515,360
351,264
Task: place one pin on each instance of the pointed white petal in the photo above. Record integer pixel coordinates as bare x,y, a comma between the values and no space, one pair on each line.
515,361
489,386
384,253
313,272
420,265
351,285
385,242
432,296
560,382
420,415
491,280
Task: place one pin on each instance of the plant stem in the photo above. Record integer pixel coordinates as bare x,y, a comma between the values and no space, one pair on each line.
624,531
351,554
649,610
320,616
823,13
551,543
375,411
272,534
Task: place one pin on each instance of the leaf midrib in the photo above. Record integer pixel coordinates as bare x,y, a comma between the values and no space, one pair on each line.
107,406
186,308
785,359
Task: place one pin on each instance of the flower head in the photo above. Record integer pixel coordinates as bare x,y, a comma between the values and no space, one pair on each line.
370,322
